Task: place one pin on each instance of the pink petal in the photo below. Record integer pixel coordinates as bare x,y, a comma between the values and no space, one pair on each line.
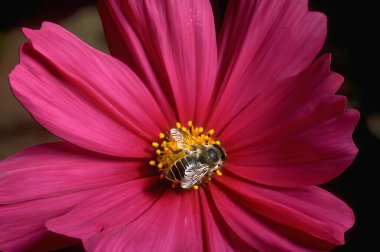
171,224
172,43
84,96
124,44
39,241
263,42
216,233
110,210
296,134
46,181
65,169
22,225
293,219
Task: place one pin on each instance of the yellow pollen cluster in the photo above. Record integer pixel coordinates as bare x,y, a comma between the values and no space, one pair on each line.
168,152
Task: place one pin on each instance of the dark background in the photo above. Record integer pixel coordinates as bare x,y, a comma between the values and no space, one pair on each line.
353,50
352,46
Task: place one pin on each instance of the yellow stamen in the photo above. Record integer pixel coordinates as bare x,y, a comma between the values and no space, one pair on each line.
155,144
168,152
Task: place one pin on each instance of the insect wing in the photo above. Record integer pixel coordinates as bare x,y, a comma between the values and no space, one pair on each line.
185,141
194,174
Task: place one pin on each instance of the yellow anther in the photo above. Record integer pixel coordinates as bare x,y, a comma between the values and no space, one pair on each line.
217,142
155,144
152,162
178,125
211,131
219,173
206,137
174,147
190,123
160,165
200,130
196,187
184,129
158,151
162,135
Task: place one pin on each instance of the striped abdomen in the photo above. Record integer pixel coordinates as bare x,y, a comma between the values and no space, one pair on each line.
178,168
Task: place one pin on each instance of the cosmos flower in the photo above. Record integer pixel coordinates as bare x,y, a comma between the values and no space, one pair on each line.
256,90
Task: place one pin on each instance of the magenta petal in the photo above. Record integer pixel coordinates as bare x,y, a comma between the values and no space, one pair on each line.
39,241
318,218
46,181
22,225
59,168
110,210
177,38
216,233
309,159
124,44
171,224
296,134
85,96
263,42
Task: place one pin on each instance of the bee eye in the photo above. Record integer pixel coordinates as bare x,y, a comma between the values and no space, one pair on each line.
212,155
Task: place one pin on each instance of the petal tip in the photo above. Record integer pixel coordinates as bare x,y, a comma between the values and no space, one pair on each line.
27,32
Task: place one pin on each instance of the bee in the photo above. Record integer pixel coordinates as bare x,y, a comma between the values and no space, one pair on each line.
199,161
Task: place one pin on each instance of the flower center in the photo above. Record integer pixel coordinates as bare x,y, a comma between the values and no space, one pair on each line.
188,156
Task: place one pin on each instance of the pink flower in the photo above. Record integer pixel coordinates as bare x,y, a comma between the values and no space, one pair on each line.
272,106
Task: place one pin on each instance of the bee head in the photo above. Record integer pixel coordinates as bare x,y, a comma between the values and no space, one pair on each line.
223,153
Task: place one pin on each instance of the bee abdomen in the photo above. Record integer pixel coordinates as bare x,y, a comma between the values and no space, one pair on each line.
177,170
